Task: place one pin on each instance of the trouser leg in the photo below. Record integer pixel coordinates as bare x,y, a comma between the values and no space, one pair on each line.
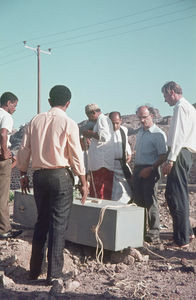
5,174
101,184
54,195
145,195
177,197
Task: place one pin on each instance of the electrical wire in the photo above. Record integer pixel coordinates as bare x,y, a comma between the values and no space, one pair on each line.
15,60
123,33
118,27
107,21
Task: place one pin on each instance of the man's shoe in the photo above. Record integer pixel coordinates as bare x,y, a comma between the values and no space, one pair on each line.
11,234
175,246
154,240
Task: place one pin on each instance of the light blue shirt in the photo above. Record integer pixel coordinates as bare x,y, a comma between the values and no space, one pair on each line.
149,145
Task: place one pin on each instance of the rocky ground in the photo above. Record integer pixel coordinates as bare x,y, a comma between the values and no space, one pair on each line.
151,272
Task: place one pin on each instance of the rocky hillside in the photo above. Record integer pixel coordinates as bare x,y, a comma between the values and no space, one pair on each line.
129,121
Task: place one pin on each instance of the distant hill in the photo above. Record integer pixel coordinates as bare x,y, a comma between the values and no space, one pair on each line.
129,121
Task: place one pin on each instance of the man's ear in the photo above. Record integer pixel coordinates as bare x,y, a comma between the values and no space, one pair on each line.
67,104
49,100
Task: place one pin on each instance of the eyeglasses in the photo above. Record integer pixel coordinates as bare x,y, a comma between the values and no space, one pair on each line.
143,117
92,112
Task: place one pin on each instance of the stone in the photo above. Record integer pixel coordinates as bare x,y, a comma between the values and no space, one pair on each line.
5,281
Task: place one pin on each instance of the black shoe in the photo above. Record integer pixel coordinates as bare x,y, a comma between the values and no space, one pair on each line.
11,234
154,240
50,280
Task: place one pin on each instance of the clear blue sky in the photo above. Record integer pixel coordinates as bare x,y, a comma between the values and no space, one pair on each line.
116,53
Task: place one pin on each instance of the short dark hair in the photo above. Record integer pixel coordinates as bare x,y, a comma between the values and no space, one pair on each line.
59,95
172,86
7,96
115,113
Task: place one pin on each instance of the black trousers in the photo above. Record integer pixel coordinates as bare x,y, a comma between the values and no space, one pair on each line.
177,197
145,195
53,192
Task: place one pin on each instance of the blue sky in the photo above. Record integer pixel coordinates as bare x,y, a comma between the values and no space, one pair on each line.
116,53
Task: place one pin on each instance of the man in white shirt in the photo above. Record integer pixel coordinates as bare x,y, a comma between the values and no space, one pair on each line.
100,153
121,190
181,143
8,103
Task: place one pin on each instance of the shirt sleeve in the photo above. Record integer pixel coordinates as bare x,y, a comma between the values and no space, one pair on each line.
75,154
104,130
178,132
7,123
161,143
127,147
24,152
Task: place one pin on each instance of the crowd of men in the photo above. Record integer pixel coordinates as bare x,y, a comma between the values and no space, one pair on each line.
99,154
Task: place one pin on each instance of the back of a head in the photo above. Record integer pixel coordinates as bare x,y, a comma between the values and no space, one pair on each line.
114,114
172,86
59,95
7,96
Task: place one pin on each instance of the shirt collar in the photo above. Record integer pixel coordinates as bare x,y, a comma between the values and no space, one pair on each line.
57,110
151,129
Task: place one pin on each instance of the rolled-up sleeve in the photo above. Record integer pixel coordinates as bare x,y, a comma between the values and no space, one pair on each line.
104,131
75,154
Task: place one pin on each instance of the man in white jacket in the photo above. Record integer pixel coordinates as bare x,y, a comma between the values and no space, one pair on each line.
100,153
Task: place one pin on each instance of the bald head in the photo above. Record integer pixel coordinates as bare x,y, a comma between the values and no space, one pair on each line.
116,119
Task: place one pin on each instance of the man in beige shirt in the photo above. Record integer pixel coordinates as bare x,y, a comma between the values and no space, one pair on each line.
52,141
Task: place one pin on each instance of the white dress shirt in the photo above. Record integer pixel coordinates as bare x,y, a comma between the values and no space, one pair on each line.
118,143
121,190
6,122
182,131
101,152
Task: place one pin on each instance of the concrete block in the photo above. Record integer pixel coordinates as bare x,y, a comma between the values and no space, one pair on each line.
122,225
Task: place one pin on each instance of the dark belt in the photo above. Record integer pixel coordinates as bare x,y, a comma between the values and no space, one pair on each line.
56,170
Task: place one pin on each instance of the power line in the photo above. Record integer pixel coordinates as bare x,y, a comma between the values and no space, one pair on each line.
10,54
126,32
15,60
120,26
106,37
112,28
107,21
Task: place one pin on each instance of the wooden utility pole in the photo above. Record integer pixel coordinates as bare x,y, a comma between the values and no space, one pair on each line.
38,51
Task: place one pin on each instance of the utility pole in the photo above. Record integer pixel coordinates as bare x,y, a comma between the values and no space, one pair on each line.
38,51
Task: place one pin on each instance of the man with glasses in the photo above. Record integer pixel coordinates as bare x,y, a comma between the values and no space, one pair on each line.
100,153
150,154
181,144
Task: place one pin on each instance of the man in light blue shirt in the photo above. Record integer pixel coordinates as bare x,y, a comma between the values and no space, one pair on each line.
150,153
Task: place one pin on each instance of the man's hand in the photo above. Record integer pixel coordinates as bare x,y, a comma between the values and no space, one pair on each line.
84,192
145,173
167,166
6,154
90,134
13,161
128,159
24,184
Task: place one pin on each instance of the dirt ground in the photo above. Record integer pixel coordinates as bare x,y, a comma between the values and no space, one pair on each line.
150,272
